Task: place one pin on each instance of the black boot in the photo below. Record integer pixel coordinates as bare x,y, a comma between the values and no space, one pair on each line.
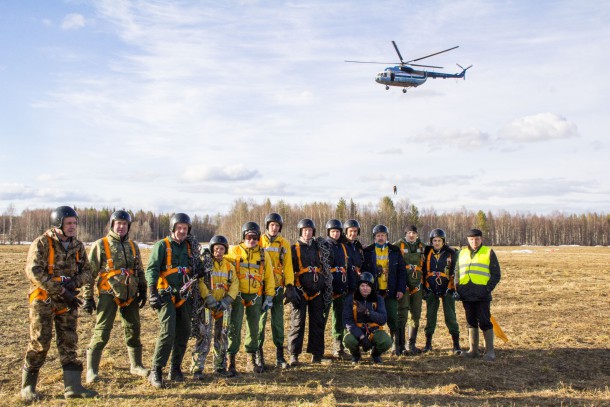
156,377
356,356
279,358
232,371
413,350
376,356
29,379
456,344
400,338
256,368
175,373
260,357
428,346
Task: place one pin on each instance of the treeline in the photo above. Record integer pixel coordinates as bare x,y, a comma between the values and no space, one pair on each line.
502,228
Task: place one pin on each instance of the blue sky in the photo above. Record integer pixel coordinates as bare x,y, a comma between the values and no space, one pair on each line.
189,105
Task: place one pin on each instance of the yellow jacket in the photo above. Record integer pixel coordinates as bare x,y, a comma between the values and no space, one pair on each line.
224,281
252,273
281,259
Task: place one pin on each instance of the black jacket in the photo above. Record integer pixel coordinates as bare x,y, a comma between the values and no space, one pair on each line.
397,275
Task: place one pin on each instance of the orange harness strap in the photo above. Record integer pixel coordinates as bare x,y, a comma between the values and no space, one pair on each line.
438,274
162,283
366,327
303,270
244,275
104,284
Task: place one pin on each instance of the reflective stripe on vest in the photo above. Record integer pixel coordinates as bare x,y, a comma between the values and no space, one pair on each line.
475,269
247,274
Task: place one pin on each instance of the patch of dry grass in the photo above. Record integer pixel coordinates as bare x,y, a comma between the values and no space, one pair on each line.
552,303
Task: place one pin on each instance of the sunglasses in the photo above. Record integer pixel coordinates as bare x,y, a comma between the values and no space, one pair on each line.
251,237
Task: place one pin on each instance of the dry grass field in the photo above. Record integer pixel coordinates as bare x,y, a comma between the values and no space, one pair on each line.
552,302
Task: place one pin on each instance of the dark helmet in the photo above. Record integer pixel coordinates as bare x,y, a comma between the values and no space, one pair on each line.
120,215
250,227
352,223
180,218
306,223
381,229
59,213
333,224
437,233
273,217
221,240
366,277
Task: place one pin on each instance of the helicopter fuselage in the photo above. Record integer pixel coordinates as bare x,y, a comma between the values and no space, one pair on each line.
394,76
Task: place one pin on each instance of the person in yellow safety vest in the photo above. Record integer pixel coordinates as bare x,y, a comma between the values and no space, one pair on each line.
311,283
278,249
364,315
56,267
255,272
477,272
116,263
224,288
169,268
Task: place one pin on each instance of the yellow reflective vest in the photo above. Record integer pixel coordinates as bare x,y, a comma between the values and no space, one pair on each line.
475,268
281,259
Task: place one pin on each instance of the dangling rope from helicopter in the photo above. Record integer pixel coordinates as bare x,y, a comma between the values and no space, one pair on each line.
325,256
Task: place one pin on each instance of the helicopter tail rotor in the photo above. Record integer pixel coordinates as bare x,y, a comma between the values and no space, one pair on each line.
463,73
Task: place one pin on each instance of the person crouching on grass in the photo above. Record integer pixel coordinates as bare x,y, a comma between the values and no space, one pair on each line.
365,314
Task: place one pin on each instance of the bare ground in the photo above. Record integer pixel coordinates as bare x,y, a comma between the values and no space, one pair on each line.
552,303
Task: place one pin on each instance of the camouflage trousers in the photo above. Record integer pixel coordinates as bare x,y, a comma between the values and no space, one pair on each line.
42,318
207,327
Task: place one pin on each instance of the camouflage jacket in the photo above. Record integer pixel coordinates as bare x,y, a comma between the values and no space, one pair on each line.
122,285
70,263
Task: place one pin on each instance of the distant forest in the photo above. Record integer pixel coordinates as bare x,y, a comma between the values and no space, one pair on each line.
501,229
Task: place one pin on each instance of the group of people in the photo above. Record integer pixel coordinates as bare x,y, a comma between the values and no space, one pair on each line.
371,295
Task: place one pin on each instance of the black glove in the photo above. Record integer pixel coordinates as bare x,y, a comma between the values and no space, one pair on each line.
292,296
456,296
68,284
89,305
224,304
70,298
210,302
141,296
366,343
154,299
449,292
427,294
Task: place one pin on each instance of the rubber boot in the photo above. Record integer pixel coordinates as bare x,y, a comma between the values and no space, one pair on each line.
135,358
356,356
232,371
260,357
394,347
413,350
456,344
93,364
376,356
473,340
338,349
156,377
428,346
294,360
29,379
175,373
401,338
490,353
279,358
256,368
72,383
198,375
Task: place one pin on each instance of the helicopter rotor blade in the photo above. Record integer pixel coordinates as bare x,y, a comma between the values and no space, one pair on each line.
426,66
398,52
431,55
373,62
464,69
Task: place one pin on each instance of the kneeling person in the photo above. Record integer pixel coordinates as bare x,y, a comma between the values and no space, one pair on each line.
365,314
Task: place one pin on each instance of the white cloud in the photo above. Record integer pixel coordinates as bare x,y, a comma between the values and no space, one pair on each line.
462,138
539,127
214,173
73,21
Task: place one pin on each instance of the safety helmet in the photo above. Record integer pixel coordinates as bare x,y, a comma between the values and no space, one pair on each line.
333,224
274,217
250,227
351,223
61,212
381,229
366,277
180,218
306,223
221,240
437,233
120,215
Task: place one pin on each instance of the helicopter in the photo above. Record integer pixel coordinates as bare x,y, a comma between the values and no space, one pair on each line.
405,76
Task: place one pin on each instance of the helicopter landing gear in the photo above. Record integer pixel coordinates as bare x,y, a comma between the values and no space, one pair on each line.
404,90
387,87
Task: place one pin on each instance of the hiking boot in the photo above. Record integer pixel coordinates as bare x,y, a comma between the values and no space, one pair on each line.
376,356
175,373
156,377
413,350
456,344
135,359
428,346
473,339
29,379
490,353
93,364
316,359
198,375
232,371
356,356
